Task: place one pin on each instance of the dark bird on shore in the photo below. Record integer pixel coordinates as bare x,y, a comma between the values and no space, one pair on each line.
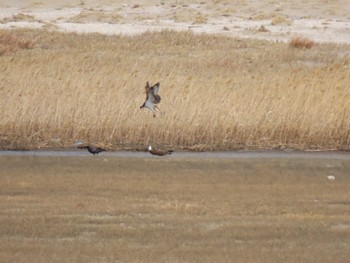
158,152
152,98
92,149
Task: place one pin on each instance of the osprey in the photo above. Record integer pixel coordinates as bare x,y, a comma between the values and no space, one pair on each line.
158,152
152,98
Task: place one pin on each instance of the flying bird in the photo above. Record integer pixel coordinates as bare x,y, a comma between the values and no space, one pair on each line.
152,98
158,152
91,149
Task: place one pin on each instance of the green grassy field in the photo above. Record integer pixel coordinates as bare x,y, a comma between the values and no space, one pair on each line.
108,209
217,92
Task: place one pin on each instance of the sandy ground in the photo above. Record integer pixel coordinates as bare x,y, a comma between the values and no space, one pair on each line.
321,21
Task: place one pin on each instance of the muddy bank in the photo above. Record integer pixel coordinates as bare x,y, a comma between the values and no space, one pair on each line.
173,209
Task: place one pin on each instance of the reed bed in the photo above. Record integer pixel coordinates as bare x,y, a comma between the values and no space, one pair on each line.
217,92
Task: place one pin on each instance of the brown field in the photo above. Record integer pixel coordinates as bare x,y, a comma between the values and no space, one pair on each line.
217,92
108,209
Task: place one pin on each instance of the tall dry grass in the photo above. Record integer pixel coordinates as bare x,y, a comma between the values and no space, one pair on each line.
217,92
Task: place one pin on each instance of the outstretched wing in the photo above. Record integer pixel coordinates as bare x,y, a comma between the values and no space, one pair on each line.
155,88
147,89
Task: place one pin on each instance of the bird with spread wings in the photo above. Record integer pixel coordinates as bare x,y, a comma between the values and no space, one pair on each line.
152,98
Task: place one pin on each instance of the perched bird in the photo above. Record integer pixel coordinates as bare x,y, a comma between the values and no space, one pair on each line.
92,149
152,98
158,152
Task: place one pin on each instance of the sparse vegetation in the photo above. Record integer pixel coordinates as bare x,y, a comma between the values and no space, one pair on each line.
95,16
280,20
18,17
261,16
217,92
200,19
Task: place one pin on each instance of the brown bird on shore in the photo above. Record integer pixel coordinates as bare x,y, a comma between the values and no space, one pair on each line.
158,152
152,98
91,149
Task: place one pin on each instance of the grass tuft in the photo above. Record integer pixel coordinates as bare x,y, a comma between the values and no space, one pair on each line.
301,42
10,43
281,20
200,19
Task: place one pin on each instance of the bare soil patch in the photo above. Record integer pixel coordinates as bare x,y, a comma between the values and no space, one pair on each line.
322,21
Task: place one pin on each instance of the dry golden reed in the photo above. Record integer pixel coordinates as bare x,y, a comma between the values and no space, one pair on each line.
217,92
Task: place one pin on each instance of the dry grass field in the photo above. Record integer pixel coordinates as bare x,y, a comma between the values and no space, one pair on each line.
108,209
217,92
